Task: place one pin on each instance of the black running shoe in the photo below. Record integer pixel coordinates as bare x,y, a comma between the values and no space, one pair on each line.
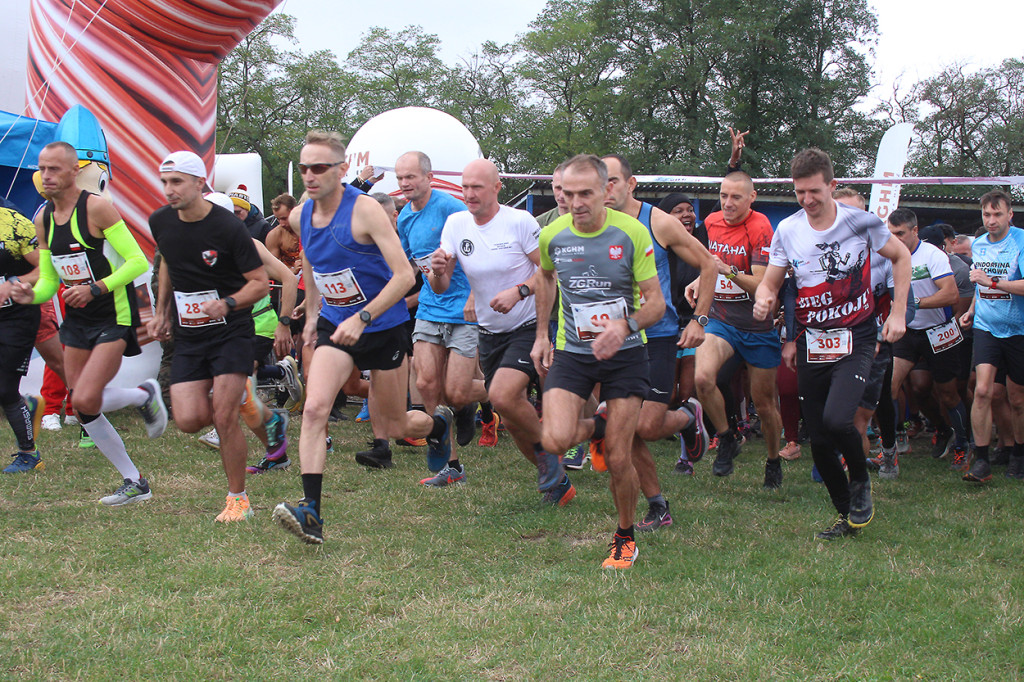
861,508
377,457
465,425
841,528
980,471
773,474
657,516
942,441
1000,457
1015,469
301,520
728,449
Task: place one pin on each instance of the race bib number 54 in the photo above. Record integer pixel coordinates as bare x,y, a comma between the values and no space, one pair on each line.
828,345
586,316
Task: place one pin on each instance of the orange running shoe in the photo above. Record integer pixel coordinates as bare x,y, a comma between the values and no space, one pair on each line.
412,442
597,462
623,553
489,432
236,509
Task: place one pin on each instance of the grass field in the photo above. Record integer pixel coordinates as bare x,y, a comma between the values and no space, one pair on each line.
485,582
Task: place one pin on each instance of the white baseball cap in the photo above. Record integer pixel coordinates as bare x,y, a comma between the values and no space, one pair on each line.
188,163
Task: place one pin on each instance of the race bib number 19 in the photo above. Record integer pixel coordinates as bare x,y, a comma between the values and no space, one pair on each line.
339,289
190,308
586,316
828,345
73,268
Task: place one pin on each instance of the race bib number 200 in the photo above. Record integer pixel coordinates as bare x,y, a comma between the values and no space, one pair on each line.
944,336
828,345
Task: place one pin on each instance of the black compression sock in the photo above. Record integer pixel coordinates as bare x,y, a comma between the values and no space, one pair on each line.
625,533
981,452
21,424
486,412
270,372
599,425
311,487
454,464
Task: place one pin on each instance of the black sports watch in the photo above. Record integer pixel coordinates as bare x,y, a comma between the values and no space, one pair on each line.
95,290
285,320
365,317
230,302
524,290
702,320
632,324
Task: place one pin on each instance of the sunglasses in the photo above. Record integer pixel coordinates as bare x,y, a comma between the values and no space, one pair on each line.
317,168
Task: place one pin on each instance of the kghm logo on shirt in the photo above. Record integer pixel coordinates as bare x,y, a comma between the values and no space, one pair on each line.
565,250
466,247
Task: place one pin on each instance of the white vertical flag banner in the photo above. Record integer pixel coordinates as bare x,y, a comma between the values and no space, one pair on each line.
892,156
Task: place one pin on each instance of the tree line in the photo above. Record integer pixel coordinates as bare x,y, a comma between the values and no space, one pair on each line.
659,81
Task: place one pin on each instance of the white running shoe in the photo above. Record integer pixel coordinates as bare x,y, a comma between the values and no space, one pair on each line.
51,422
210,439
70,420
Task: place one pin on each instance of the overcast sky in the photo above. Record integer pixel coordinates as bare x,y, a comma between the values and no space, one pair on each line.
918,37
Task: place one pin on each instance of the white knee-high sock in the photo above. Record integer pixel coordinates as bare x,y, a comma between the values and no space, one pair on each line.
115,399
106,438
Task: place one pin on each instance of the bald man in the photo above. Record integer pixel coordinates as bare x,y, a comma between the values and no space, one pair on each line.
739,239
496,246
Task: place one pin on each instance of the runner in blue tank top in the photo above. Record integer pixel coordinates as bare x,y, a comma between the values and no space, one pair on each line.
354,260
656,420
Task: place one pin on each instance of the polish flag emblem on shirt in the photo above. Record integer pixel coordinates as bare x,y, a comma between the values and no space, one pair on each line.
615,252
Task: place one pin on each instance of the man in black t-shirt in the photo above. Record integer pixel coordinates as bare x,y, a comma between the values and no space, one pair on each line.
210,276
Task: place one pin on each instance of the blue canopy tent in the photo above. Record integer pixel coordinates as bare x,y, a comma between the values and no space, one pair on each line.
21,139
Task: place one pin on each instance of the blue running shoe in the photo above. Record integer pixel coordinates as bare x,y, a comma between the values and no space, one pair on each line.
576,457
24,461
439,450
549,470
815,476
301,521
364,414
277,433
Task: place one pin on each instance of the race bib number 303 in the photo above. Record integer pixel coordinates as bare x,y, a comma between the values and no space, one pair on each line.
73,268
587,316
190,308
339,289
828,345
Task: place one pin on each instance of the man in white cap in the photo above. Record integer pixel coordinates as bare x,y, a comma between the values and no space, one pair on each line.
213,274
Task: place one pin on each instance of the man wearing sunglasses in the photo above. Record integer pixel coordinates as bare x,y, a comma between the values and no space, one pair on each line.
354,260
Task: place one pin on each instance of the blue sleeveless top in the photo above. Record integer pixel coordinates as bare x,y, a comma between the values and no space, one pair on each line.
337,257
668,325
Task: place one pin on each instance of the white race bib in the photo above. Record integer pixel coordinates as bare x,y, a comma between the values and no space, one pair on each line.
587,315
190,308
990,294
944,336
339,289
423,264
73,268
828,345
728,290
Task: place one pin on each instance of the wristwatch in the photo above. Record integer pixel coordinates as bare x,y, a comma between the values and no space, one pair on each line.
230,302
702,320
365,317
285,320
733,271
95,290
995,281
524,290
917,302
634,327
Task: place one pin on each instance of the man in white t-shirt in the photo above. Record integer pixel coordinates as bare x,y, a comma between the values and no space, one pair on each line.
831,248
496,247
932,336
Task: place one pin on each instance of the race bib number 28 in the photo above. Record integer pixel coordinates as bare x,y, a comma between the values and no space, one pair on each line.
190,308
